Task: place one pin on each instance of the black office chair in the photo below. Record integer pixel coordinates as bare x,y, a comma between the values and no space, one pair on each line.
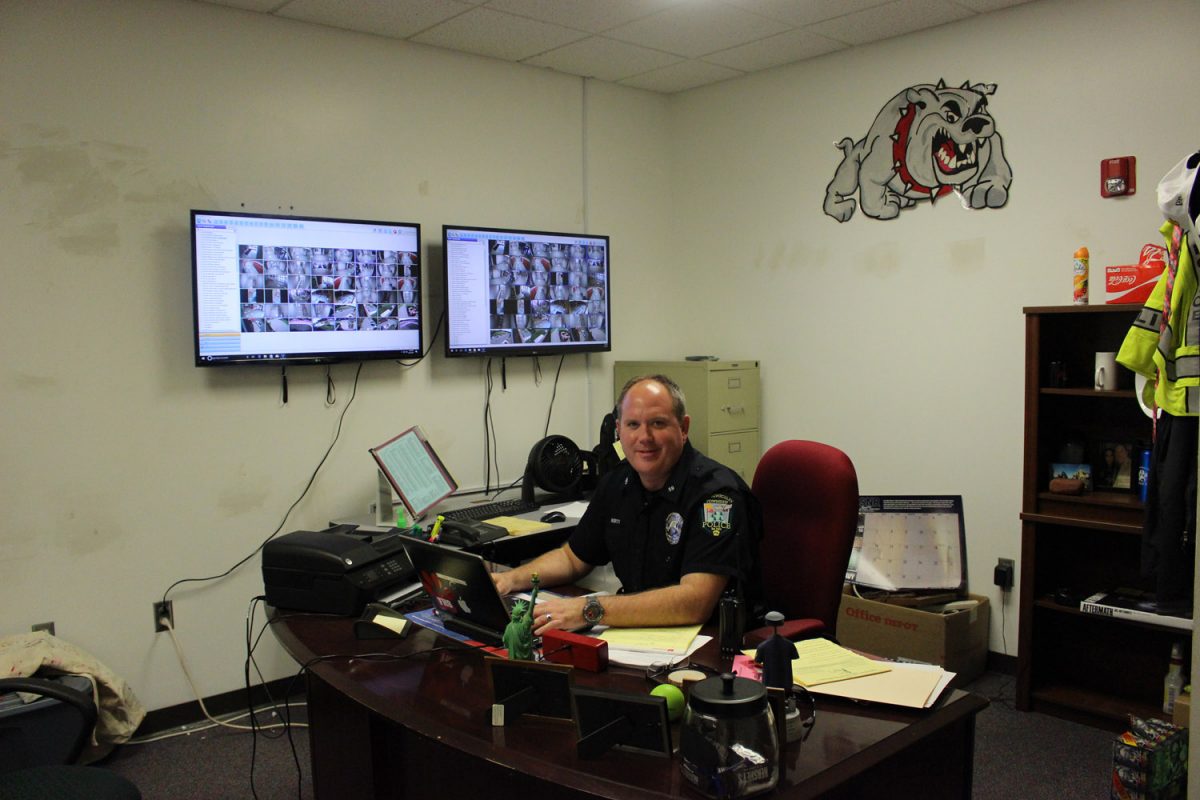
38,750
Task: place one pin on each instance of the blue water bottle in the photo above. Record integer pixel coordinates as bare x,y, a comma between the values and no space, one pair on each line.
1143,474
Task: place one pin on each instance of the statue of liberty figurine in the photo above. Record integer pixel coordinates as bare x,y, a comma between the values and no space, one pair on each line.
518,634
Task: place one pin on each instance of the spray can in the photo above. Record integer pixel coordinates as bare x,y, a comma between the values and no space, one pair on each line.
1081,277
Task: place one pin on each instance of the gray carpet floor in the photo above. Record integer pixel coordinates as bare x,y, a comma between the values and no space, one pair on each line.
1017,755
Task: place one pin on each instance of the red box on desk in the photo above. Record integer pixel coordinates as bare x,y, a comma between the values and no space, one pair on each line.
584,652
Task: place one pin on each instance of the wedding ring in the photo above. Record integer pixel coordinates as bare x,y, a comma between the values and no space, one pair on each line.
548,617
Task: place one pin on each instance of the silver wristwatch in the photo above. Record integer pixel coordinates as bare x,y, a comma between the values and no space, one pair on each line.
593,612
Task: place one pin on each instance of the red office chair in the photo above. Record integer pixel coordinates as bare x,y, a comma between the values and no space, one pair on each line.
809,497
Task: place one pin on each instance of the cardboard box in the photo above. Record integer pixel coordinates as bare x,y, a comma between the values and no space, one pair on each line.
1183,709
958,640
1132,283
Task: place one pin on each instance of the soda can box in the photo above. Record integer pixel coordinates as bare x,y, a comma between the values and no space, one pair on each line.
1132,283
1150,767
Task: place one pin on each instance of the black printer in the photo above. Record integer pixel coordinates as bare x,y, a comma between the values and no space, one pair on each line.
335,571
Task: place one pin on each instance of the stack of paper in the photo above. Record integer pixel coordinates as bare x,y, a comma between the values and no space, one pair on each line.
518,526
643,647
911,685
825,668
821,661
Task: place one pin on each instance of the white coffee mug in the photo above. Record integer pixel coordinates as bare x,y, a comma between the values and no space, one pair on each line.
1106,372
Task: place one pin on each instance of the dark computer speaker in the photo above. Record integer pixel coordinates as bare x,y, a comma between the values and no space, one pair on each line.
605,452
557,465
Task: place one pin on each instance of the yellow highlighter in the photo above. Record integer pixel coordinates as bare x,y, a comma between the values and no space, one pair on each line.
437,528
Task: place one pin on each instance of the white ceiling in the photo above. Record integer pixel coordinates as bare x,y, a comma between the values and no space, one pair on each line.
660,45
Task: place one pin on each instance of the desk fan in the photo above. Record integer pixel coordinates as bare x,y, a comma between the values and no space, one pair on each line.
557,465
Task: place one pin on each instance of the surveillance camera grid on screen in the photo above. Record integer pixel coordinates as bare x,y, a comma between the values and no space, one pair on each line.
547,291
286,289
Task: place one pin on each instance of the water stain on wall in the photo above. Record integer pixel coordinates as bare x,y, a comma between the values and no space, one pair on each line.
238,500
882,258
41,384
77,190
790,257
84,534
967,255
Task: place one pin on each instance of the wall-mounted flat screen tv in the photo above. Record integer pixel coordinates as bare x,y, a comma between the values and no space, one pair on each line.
269,289
525,293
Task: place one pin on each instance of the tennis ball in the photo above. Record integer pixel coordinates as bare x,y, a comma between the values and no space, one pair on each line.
674,699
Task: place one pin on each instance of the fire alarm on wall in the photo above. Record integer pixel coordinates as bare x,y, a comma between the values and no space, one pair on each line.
1118,176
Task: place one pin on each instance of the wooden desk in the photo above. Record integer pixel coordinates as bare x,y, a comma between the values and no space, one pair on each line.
417,725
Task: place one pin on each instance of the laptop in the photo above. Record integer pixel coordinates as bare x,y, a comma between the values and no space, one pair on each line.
462,591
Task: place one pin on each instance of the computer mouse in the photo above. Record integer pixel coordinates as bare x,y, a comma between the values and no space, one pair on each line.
554,516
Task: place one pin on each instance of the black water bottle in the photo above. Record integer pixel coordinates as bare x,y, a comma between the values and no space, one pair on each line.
732,622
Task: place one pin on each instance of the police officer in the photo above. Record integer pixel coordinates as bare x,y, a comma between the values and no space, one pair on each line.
678,528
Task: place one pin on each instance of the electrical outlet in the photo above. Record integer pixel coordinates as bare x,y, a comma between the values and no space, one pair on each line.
48,627
1003,574
163,610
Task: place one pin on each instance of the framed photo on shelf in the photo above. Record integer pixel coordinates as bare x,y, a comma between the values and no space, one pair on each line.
1079,472
1114,467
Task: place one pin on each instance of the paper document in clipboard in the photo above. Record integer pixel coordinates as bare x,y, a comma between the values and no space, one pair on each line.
415,472
909,542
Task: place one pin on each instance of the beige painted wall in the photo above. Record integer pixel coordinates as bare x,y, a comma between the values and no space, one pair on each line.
127,467
902,341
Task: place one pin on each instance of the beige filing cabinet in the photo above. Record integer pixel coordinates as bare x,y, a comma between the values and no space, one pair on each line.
723,401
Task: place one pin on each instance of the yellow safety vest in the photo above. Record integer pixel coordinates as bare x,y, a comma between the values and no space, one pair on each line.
1172,357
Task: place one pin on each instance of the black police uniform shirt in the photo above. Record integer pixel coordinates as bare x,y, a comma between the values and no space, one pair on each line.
703,519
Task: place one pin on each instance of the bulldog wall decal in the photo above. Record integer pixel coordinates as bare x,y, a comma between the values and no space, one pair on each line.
926,142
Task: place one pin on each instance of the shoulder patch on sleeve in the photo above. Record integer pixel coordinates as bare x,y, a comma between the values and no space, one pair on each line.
716,513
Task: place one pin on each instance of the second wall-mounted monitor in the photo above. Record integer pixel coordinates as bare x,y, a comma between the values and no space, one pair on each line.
524,293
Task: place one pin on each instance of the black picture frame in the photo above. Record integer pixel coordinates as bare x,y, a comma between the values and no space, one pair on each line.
533,688
606,719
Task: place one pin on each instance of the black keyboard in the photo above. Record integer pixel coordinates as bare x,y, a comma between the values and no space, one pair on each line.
500,508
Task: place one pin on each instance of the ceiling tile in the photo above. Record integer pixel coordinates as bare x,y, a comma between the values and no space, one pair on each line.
894,19
381,17
595,16
262,6
983,6
774,51
697,28
806,12
663,45
680,77
606,59
497,34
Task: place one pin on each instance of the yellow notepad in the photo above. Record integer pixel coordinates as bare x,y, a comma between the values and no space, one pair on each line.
666,640
821,661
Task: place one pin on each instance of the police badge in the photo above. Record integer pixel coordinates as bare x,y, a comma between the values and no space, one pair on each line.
716,514
674,528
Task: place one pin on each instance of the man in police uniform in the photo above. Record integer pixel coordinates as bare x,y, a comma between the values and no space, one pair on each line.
678,527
